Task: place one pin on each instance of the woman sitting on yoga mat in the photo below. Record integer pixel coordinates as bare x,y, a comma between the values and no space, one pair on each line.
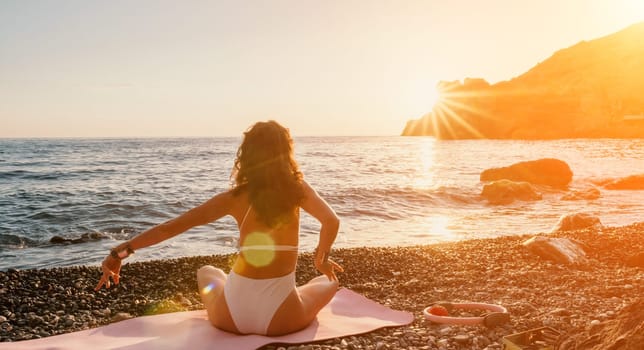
259,295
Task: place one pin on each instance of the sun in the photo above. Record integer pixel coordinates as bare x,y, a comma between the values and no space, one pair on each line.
452,111
433,98
424,95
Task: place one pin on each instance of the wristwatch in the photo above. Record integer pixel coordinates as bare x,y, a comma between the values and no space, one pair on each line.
124,253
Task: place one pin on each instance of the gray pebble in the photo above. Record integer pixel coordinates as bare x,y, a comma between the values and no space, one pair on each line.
462,338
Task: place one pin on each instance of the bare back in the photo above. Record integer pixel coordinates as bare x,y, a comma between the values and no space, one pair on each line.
262,249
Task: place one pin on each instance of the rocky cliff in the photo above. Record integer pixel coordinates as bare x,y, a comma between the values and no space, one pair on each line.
590,90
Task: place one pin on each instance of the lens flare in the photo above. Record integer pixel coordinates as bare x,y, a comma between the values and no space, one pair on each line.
163,307
207,289
258,249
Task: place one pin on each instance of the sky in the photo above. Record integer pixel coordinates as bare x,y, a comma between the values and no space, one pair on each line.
213,68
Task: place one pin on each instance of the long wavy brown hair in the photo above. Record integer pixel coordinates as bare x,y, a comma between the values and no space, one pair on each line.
266,168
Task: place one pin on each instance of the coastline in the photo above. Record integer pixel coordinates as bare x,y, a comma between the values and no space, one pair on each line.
580,301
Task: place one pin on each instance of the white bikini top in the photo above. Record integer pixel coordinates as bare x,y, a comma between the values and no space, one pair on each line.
281,248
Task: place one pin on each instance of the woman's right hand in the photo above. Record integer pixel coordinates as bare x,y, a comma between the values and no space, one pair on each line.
111,267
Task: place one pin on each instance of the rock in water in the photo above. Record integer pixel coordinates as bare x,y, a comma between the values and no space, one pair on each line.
57,240
587,194
577,221
634,182
546,171
560,250
506,192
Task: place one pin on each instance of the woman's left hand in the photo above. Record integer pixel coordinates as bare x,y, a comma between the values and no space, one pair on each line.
328,268
111,267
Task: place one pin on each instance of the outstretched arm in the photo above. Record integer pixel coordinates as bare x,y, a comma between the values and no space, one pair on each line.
213,209
330,223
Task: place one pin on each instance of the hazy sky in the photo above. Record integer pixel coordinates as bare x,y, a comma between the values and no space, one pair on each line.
212,68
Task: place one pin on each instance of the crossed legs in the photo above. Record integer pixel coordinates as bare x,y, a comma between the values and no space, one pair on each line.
297,311
211,281
301,307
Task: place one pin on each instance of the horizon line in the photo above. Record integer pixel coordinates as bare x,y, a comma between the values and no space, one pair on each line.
172,137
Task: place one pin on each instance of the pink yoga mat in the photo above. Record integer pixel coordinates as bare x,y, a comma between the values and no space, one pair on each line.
348,313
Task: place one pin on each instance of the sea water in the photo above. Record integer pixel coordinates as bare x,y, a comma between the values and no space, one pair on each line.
388,191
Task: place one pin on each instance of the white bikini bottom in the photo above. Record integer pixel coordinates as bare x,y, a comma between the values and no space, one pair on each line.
253,302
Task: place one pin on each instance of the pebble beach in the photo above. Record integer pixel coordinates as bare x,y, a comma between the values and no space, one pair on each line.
593,305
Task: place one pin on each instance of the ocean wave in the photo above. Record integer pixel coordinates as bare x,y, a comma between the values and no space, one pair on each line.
31,175
458,195
109,162
96,171
13,173
119,230
320,154
13,242
398,203
28,163
52,175
117,206
9,241
631,182
23,196
376,213
42,215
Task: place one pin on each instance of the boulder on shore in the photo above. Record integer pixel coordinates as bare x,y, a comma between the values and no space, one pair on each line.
546,171
560,250
506,192
577,221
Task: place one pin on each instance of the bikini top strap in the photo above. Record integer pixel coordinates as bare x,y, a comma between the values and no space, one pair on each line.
244,219
289,248
279,248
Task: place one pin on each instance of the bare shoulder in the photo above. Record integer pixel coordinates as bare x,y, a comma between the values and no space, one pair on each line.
306,187
236,202
308,190
222,202
315,205
227,195
227,198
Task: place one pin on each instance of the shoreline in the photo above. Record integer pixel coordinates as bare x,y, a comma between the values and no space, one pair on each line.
580,301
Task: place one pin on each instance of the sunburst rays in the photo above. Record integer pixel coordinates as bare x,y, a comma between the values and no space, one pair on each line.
462,112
